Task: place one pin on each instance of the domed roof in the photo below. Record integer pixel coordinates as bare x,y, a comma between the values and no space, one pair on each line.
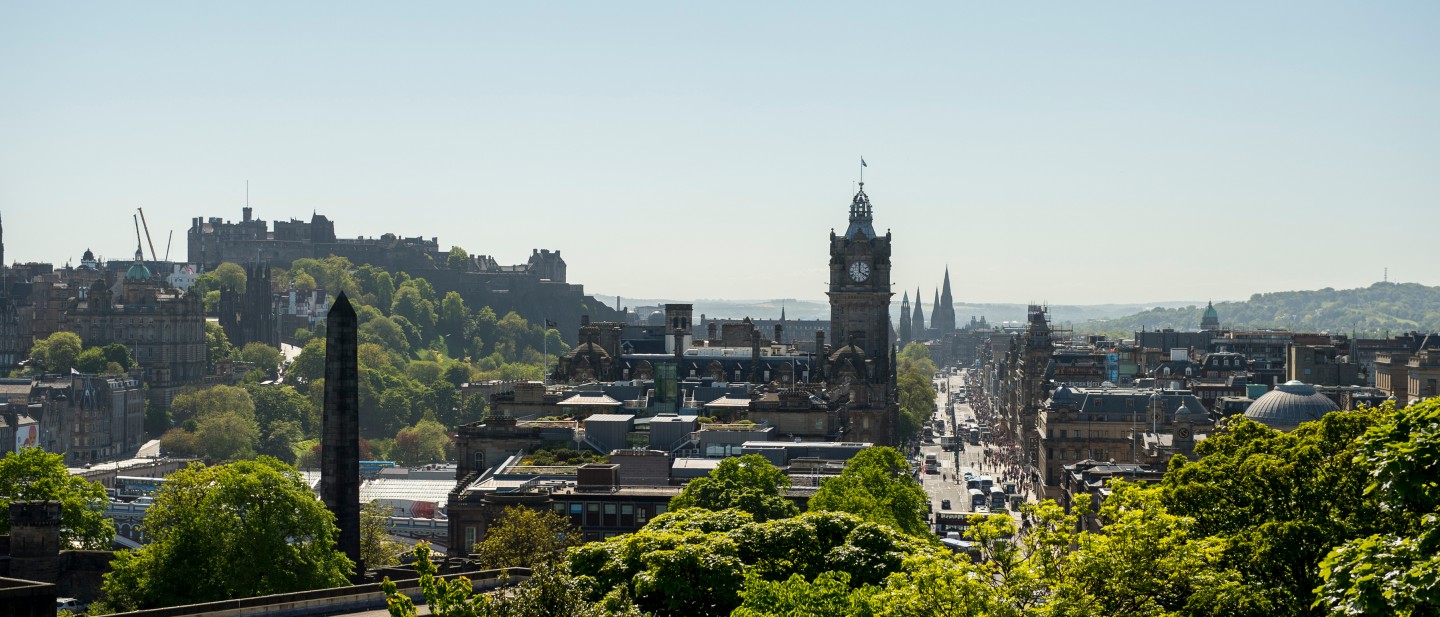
589,348
847,350
138,271
1289,404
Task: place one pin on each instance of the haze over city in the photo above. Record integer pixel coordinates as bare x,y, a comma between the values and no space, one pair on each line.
705,152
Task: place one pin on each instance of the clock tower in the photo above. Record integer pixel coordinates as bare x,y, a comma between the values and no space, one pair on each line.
860,293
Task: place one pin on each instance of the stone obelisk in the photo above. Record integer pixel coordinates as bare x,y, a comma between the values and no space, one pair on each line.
340,440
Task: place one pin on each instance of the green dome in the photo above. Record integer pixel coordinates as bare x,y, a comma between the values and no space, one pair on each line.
137,272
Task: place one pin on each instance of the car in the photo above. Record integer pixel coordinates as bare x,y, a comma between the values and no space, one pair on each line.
144,501
944,504
68,604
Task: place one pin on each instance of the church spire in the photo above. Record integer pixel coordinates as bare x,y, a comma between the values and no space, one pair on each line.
917,322
905,322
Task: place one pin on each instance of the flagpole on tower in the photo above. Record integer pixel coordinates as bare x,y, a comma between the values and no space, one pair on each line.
862,169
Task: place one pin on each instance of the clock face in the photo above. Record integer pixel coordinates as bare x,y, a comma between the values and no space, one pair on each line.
859,271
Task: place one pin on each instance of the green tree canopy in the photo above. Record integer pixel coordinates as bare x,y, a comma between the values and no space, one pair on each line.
458,259
264,357
56,353
523,537
33,474
426,442
749,483
196,404
230,531
877,486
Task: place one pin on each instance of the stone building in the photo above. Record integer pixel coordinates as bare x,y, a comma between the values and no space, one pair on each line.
1107,424
537,289
91,418
163,327
249,315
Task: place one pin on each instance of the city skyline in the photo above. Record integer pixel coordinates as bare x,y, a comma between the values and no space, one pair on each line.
1034,153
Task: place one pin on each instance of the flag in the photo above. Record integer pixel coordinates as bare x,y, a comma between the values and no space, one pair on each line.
862,162
73,371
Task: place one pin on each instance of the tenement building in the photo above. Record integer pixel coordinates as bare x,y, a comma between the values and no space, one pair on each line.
163,327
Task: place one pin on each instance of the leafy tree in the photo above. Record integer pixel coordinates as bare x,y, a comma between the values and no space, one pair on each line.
917,391
227,436
748,483
264,357
424,443
376,547
412,305
458,259
56,353
1279,502
309,364
523,537
180,442
217,345
33,474
828,595
385,332
876,485
157,420
119,354
282,404
91,361
451,324
550,592
1397,570
230,531
229,275
196,404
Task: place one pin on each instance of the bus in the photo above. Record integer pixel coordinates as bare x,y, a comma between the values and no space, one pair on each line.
932,463
138,487
974,435
997,499
986,482
977,499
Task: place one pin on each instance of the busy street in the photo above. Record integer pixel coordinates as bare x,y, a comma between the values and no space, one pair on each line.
964,467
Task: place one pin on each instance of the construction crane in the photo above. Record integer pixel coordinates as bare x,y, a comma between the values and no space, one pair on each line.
167,244
153,256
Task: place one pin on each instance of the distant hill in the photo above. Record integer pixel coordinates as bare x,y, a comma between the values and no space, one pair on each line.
1382,307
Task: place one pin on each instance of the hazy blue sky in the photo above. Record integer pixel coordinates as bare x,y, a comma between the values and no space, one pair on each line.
1063,152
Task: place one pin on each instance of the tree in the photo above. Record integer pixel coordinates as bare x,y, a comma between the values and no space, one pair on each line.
262,356
56,353
1279,502
876,485
385,332
309,364
526,538
180,442
33,474
91,361
282,404
458,259
227,436
550,592
376,547
451,323
1397,570
229,275
196,404
410,304
119,354
217,345
424,443
749,483
244,529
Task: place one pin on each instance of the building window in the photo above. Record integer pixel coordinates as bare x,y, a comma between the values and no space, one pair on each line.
609,508
575,509
1064,433
659,509
627,509
469,536
592,507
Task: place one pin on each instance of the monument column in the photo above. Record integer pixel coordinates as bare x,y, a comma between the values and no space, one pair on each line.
340,440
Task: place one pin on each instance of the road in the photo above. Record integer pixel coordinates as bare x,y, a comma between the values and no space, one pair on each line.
949,483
